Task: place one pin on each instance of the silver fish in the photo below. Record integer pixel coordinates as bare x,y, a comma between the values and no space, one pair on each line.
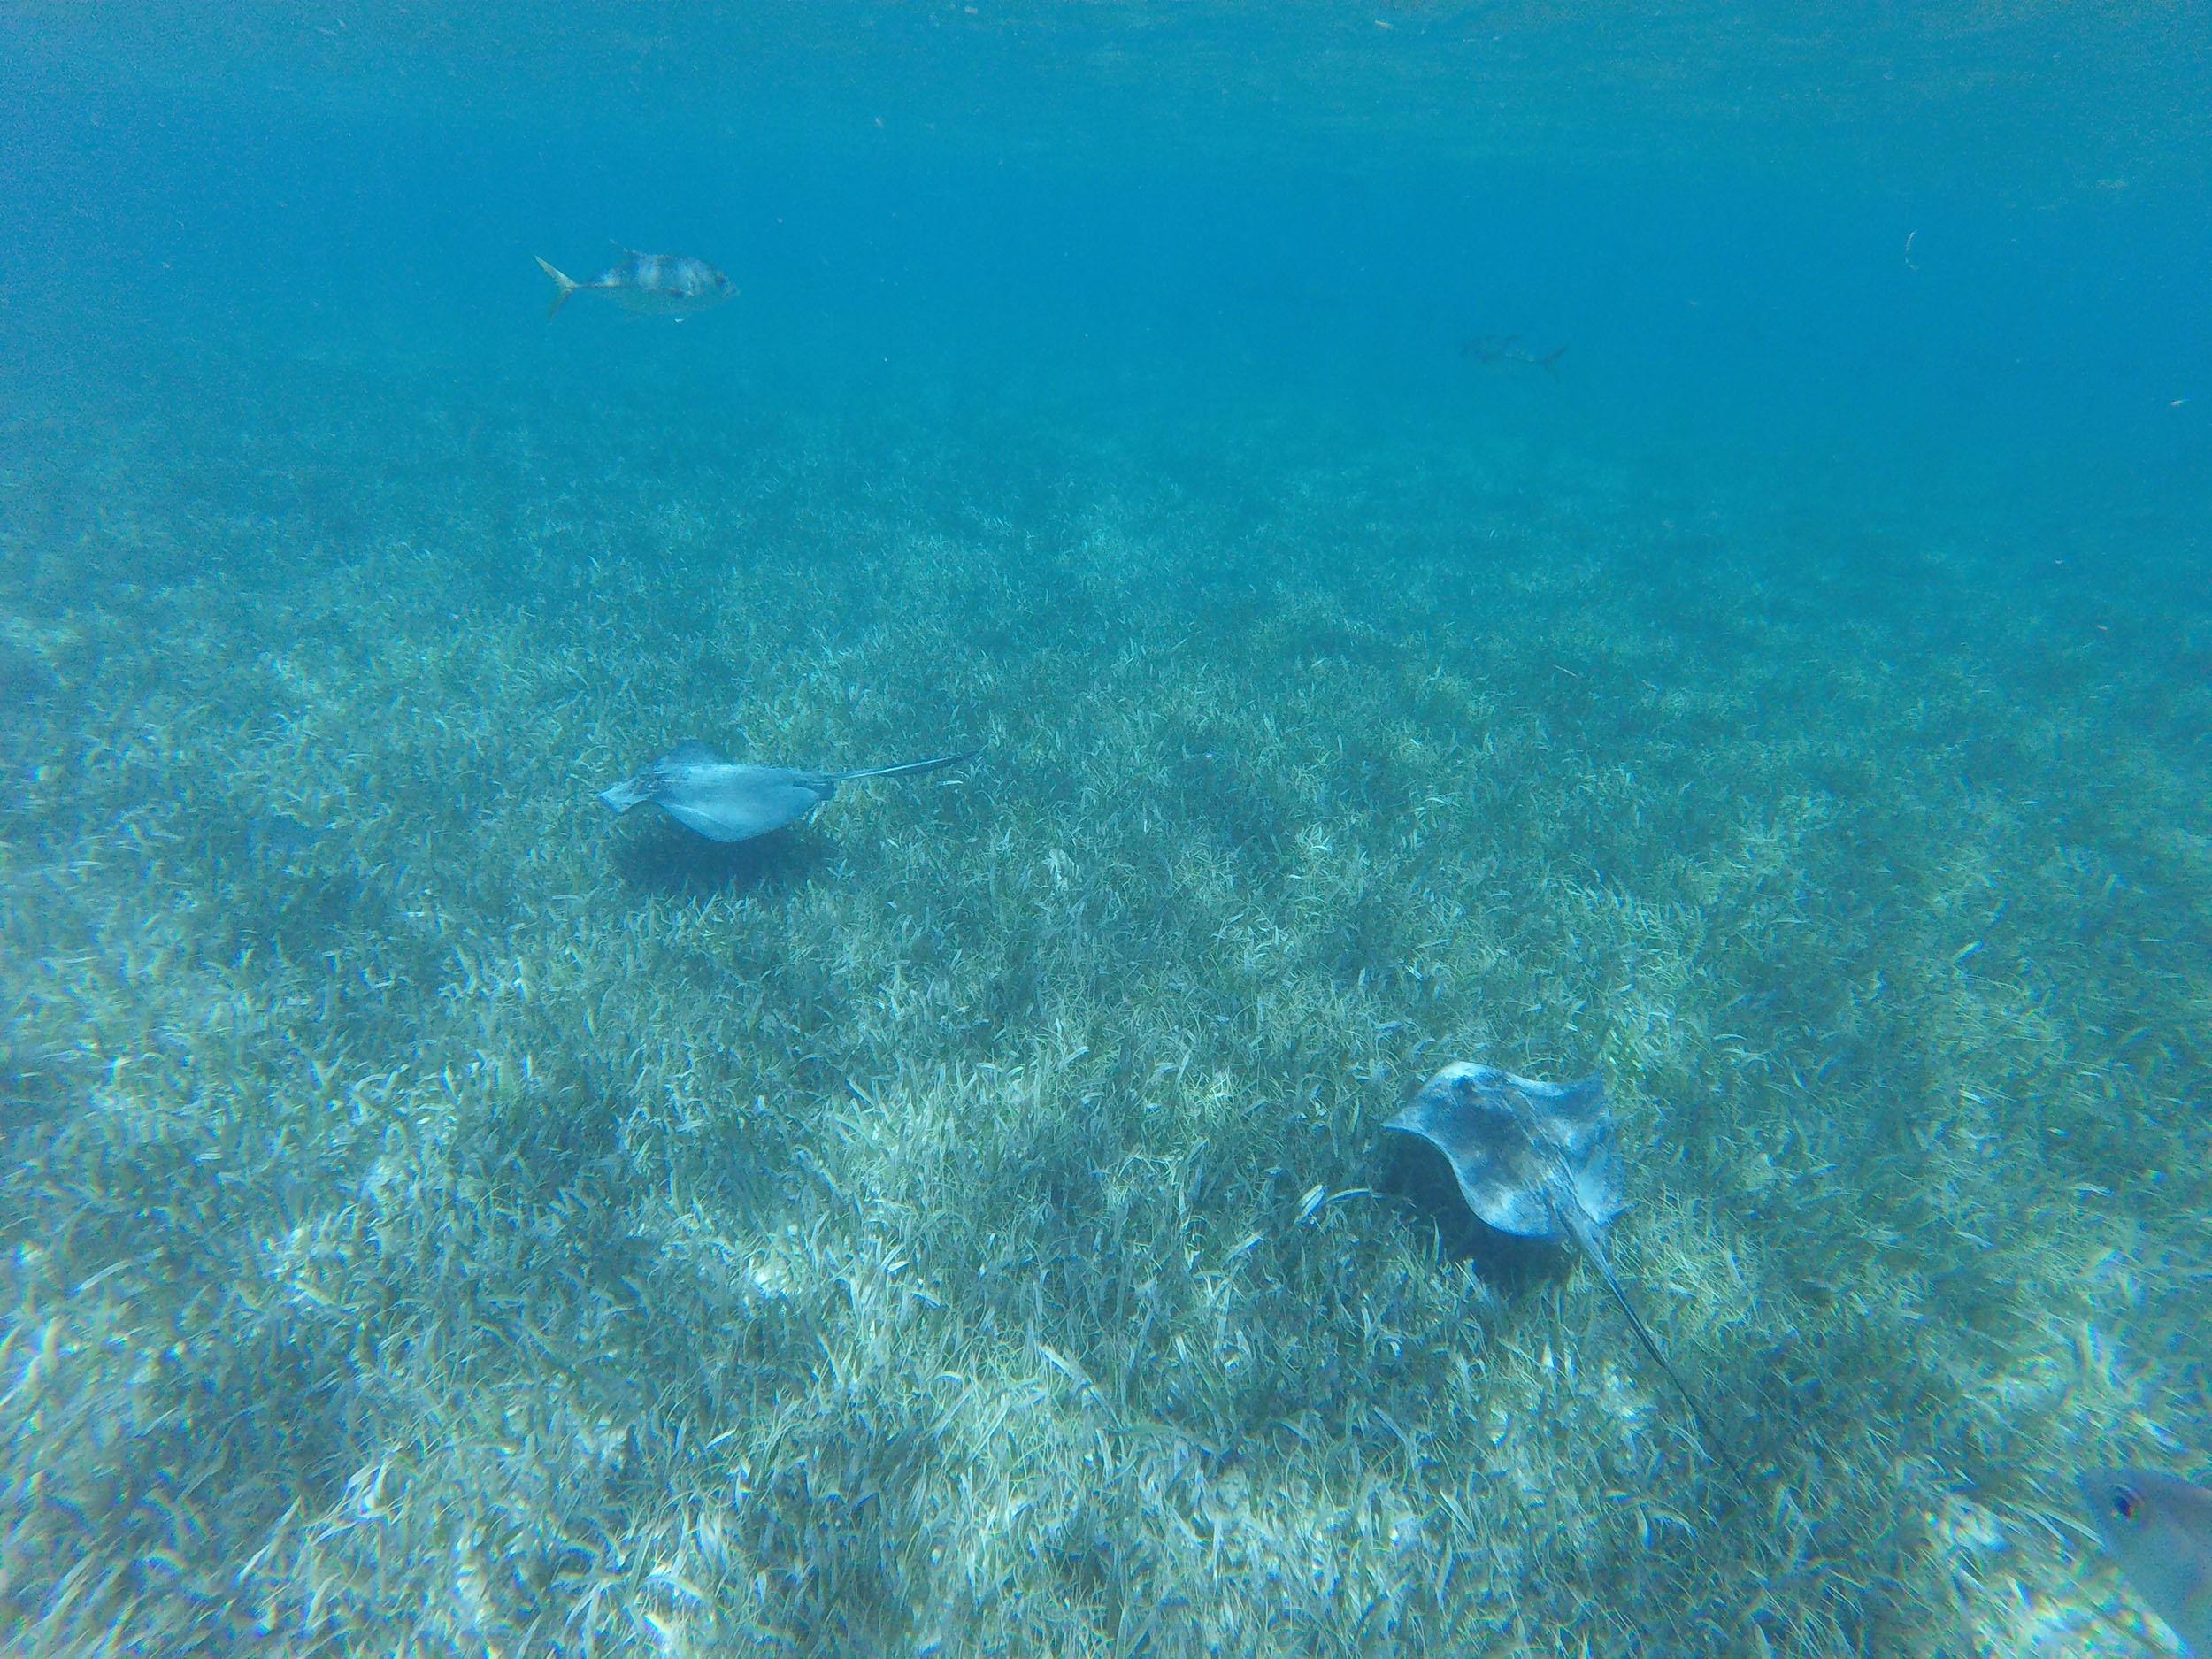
2160,1530
658,284
1507,349
729,800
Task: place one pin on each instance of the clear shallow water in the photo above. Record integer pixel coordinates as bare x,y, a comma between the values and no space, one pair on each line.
436,1210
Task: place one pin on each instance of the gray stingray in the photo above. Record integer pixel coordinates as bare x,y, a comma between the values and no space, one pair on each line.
1536,1159
729,800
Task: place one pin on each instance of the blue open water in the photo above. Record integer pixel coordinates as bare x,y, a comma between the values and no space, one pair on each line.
1900,314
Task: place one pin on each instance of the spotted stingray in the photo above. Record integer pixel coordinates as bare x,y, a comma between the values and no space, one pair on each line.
1536,1159
730,801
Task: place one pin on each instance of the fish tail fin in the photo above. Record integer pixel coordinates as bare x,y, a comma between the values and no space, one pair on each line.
907,768
1586,1237
564,286
1549,361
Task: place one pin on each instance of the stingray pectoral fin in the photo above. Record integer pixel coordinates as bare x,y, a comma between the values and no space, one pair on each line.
906,768
692,752
1582,1103
1512,1209
1485,1183
738,814
629,792
1597,1183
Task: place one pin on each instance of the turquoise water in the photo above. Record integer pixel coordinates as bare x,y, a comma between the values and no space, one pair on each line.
441,1217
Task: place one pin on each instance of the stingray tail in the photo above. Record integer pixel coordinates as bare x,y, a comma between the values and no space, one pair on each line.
906,769
1586,1237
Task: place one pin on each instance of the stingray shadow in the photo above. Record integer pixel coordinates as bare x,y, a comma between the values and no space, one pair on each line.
1420,1173
672,862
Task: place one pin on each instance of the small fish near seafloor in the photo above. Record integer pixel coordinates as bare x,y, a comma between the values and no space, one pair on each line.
2159,1529
1536,1160
1507,348
729,800
658,284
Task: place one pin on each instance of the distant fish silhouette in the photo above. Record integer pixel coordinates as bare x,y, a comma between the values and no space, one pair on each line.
729,800
1536,1159
2160,1530
1508,349
658,284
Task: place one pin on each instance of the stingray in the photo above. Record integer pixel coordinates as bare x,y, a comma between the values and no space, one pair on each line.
729,800
1536,1160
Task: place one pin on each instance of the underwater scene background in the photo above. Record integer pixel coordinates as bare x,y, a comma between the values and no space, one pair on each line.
441,1218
